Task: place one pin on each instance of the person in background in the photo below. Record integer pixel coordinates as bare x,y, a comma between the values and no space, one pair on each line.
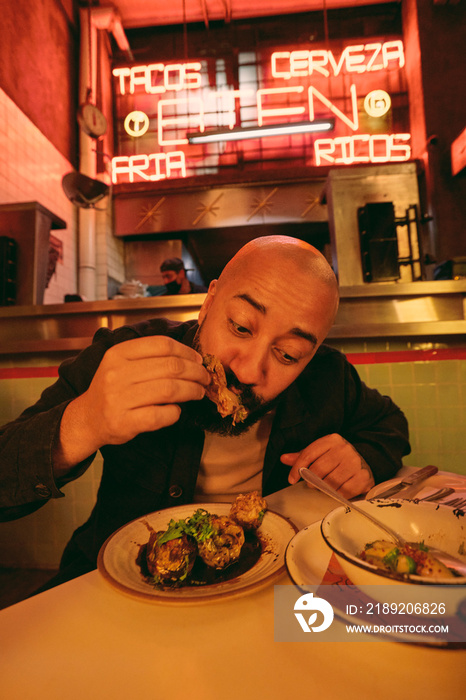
138,394
175,279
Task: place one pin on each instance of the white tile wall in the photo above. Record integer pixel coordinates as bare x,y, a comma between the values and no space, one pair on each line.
31,170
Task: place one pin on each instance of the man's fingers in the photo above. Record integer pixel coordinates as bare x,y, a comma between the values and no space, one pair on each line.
151,369
161,392
331,458
141,420
156,417
294,460
321,466
139,386
154,346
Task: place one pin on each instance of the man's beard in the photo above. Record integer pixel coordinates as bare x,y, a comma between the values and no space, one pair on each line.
205,415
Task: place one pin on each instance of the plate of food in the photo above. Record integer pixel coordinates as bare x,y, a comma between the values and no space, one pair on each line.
308,556
198,553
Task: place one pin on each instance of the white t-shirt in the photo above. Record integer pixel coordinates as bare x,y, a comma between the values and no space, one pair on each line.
233,465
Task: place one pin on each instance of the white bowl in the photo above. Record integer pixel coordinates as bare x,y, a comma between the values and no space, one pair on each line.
347,532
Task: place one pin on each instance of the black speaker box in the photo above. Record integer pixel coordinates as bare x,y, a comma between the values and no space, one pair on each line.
379,243
8,270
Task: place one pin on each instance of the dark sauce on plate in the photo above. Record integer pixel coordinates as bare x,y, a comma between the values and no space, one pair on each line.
203,575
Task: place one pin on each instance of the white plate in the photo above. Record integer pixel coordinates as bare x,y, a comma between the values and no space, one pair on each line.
118,555
432,483
307,556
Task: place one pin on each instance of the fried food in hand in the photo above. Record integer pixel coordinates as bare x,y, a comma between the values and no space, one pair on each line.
228,403
248,510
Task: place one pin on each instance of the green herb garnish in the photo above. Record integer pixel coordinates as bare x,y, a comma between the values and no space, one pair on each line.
198,526
390,558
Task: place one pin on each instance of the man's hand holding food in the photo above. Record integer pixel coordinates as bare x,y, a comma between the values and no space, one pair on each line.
138,387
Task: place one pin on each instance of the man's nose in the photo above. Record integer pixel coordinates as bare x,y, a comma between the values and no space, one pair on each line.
249,366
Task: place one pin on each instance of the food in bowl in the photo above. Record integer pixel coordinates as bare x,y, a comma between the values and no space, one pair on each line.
228,403
197,550
347,533
412,558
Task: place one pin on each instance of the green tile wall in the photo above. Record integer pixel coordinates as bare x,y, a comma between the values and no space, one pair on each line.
38,540
432,395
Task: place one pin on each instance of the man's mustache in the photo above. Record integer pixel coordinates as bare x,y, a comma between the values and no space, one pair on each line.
249,398
234,383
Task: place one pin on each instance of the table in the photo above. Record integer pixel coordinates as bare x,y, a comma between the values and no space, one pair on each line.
84,640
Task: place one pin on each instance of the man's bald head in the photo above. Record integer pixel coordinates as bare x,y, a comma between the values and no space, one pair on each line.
267,314
289,260
280,250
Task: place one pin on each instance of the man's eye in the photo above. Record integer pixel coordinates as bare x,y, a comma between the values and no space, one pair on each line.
238,328
285,358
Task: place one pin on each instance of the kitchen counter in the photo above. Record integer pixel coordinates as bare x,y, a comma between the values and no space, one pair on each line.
420,309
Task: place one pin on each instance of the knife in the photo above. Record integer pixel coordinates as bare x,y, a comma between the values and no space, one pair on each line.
410,480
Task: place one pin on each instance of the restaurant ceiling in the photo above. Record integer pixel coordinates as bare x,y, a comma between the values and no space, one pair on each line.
146,13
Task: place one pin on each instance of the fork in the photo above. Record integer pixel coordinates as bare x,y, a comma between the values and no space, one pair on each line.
456,502
437,495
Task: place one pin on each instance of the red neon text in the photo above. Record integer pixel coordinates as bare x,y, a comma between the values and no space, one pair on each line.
363,148
263,111
159,77
354,125
361,58
185,121
152,167
184,113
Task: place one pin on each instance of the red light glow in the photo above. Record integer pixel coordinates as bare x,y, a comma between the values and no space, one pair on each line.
160,103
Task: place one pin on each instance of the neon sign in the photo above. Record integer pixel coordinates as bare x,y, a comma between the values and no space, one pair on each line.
363,148
152,167
377,103
159,77
161,102
136,123
361,58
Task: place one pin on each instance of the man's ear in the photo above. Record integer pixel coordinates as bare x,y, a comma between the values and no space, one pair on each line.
207,301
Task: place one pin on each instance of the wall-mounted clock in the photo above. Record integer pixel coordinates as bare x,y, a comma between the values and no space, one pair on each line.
91,120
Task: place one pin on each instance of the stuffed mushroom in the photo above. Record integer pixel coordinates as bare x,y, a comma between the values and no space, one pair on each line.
248,510
170,561
223,547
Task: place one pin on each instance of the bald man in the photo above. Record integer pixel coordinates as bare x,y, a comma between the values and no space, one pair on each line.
138,395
